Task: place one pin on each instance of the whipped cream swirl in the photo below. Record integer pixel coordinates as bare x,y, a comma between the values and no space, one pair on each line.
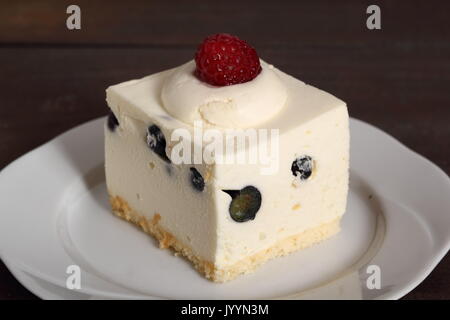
237,106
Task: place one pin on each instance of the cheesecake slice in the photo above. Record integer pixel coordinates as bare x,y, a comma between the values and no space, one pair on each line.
227,217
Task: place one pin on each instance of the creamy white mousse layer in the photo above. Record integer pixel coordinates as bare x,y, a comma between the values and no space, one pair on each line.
311,122
237,106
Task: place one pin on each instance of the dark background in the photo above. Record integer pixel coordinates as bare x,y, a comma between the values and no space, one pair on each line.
396,78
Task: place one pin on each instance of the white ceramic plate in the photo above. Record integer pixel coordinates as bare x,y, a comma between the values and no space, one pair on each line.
54,213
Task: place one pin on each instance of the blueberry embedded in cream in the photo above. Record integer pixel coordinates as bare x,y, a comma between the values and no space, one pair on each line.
157,142
197,180
112,121
302,167
224,228
244,204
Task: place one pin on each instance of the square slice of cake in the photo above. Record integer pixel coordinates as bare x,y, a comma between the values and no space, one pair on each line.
232,209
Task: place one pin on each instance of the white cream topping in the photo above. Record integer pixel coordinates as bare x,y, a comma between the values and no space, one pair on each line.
237,106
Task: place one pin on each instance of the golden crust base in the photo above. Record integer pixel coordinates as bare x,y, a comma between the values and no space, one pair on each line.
247,265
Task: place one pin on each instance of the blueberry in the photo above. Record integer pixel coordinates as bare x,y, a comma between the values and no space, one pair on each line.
197,180
302,167
157,142
112,121
245,203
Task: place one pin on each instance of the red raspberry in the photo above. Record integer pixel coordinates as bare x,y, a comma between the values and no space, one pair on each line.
223,60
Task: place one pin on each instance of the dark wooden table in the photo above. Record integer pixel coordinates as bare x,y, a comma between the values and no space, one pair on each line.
397,78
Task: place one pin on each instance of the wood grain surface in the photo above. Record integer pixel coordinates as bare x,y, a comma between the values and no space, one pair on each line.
396,78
